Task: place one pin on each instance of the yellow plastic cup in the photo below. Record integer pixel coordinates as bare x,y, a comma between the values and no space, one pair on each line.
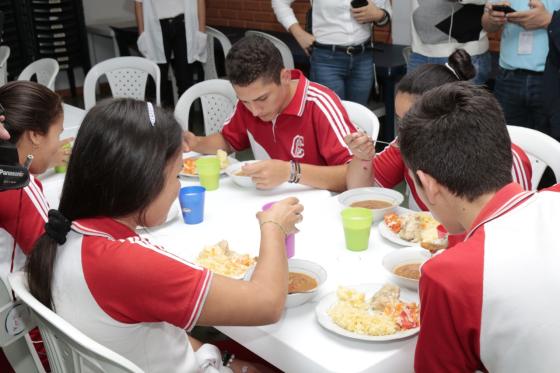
208,169
356,222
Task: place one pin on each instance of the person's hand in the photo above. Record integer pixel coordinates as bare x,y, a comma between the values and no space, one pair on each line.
361,145
304,39
189,141
286,212
4,135
367,14
535,18
268,174
496,19
63,153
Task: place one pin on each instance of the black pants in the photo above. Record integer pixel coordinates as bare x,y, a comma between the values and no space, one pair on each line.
175,44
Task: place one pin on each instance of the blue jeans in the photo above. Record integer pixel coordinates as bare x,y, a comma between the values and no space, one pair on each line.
349,76
521,98
481,62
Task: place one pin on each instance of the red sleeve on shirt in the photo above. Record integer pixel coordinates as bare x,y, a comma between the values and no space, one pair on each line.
332,124
522,170
24,212
388,167
235,130
451,308
138,282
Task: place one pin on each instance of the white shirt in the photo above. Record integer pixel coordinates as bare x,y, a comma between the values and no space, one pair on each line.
167,8
332,20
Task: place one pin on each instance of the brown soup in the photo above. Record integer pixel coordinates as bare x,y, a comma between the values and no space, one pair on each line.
410,270
300,282
372,204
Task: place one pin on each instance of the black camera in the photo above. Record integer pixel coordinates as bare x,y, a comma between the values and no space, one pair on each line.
12,174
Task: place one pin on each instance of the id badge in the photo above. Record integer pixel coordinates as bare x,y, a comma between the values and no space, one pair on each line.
525,45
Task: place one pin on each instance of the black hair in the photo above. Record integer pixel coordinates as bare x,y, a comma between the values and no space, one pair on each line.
457,134
117,168
28,106
251,58
429,76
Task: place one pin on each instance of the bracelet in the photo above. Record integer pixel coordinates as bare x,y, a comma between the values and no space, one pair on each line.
295,172
383,21
227,359
277,224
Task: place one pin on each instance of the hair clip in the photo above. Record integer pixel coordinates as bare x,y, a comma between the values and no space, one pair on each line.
151,113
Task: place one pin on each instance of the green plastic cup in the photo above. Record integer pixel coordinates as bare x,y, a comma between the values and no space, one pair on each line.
208,169
60,169
357,225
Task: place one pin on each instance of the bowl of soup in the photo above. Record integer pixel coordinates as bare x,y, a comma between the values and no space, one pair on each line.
304,279
380,200
235,172
403,266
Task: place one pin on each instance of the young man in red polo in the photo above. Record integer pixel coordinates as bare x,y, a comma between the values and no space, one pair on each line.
297,126
489,303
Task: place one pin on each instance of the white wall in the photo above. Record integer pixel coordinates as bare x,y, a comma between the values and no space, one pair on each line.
401,22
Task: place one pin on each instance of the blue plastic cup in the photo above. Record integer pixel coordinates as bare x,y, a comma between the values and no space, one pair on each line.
191,199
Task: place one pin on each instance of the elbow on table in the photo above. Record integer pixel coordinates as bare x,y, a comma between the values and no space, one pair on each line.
273,308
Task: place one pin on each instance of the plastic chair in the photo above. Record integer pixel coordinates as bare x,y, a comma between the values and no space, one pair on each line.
46,70
218,102
4,55
285,51
363,118
406,52
68,349
127,77
210,71
541,149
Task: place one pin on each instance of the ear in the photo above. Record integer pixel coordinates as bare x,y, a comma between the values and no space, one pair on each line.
34,137
285,76
430,186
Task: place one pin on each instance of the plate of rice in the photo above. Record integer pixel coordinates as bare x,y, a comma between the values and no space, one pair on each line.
370,312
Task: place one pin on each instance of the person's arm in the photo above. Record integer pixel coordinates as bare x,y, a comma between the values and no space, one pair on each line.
493,21
260,300
201,15
205,144
533,19
285,15
139,12
360,169
370,13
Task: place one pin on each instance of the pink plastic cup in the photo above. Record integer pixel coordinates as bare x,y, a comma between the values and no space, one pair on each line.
290,239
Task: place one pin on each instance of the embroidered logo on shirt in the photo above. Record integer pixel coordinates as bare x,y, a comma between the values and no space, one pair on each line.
297,147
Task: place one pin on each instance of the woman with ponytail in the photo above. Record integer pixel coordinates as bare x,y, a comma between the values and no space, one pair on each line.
387,169
118,288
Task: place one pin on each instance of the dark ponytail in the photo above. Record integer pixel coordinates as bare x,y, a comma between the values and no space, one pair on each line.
117,168
429,76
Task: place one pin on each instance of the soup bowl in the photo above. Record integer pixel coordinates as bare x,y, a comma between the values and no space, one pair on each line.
308,268
234,171
380,200
401,257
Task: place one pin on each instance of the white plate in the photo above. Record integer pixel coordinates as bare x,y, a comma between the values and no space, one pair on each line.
369,289
231,161
389,235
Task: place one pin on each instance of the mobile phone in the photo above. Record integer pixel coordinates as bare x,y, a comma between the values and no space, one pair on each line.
503,8
358,3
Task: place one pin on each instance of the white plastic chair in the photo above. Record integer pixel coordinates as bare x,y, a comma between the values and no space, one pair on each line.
406,52
363,118
68,349
46,70
127,77
285,51
541,149
4,55
210,71
218,102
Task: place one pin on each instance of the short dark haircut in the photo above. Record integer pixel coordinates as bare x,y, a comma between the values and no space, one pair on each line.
29,106
429,76
117,168
457,134
251,58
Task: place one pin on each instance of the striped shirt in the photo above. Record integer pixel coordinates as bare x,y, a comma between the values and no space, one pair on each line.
311,129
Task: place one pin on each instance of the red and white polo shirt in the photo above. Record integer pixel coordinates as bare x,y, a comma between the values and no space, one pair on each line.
129,295
491,302
311,129
389,170
23,214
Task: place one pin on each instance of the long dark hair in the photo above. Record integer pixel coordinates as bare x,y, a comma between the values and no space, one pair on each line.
116,168
29,106
428,76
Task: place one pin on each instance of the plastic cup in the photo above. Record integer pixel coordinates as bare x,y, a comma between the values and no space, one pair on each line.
191,199
290,242
208,169
356,222
60,169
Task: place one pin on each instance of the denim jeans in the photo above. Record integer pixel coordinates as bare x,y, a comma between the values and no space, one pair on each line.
481,62
349,76
521,97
